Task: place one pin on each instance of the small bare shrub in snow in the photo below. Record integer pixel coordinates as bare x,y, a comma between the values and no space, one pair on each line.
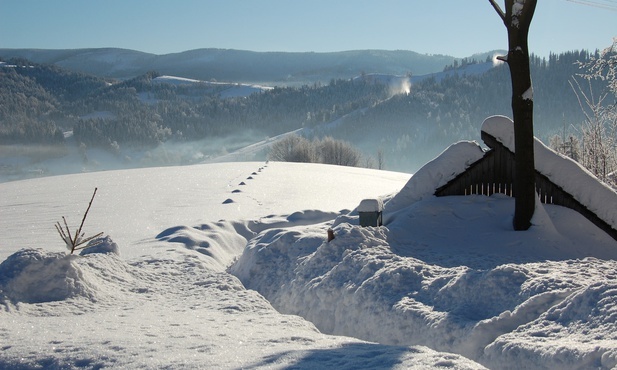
295,148
76,241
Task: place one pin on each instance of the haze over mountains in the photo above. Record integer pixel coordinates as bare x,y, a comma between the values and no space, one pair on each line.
277,68
63,111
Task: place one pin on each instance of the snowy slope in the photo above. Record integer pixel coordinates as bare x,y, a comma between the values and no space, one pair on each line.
134,205
445,278
224,89
166,301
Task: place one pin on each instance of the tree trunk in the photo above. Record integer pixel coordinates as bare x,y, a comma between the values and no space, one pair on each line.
517,19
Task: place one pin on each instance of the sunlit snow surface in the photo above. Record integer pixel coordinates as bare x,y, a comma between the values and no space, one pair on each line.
207,253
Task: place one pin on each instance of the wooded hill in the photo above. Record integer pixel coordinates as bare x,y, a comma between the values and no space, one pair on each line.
274,68
40,102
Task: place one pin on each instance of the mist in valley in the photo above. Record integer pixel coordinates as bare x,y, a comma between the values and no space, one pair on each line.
75,122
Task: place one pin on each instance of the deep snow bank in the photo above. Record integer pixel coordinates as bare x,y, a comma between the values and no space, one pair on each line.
219,242
451,274
358,285
171,311
36,275
578,333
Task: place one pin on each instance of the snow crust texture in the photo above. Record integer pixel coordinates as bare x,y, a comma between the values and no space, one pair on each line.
187,280
508,316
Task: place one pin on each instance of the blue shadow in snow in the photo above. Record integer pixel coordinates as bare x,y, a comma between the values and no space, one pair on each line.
349,356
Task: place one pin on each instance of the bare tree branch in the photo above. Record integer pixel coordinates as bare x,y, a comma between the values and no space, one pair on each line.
76,242
60,231
498,10
85,215
84,243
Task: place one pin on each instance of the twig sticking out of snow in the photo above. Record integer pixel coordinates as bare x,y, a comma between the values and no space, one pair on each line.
77,241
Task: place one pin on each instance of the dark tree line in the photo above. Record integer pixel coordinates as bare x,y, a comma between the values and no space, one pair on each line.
27,111
186,113
39,103
415,127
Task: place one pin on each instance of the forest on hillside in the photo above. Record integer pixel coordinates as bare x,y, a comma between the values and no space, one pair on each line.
42,103
415,127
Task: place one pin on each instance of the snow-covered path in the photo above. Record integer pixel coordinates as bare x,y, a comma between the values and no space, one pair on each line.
176,313
445,273
166,301
133,206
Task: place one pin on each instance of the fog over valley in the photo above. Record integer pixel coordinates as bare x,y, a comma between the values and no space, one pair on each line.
66,111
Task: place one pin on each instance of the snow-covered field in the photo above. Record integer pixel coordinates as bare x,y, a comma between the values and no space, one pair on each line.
228,266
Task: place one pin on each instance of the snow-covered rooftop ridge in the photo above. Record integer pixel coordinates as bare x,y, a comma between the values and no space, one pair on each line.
564,172
436,173
598,197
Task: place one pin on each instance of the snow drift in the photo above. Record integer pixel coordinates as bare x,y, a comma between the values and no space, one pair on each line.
445,278
450,273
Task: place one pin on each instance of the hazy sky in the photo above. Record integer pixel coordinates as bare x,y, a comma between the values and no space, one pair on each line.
454,27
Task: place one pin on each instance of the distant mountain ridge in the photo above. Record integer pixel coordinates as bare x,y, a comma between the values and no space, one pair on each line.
283,68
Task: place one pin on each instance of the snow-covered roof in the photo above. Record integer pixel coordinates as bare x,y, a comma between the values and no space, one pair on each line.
436,173
586,188
371,205
564,172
